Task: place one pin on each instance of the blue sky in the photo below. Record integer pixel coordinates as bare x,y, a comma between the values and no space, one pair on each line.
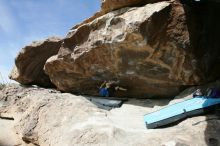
24,21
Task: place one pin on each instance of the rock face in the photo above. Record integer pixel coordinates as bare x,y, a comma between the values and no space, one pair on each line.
30,62
110,5
144,48
47,117
204,34
151,49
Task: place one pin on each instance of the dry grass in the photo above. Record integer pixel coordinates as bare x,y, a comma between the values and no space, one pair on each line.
3,82
2,85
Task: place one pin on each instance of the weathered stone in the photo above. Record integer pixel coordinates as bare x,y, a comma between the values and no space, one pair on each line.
110,5
30,62
145,48
152,50
47,117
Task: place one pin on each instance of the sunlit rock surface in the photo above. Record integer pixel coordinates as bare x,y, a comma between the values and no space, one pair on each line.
30,62
47,117
144,48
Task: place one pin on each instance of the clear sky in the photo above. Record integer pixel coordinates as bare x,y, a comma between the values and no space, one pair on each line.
24,21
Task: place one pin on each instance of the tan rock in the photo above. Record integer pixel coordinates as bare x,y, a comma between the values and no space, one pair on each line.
110,5
141,47
31,59
47,117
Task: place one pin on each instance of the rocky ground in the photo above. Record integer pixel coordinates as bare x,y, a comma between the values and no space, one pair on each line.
47,117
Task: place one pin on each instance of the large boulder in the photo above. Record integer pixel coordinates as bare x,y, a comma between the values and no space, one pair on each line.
46,117
110,5
146,49
30,62
152,50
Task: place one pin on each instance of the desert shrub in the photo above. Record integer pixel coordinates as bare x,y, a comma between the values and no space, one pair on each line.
3,82
2,85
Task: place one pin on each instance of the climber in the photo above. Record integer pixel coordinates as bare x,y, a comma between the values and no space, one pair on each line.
106,88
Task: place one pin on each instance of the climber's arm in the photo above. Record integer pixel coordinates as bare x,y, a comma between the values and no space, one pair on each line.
102,84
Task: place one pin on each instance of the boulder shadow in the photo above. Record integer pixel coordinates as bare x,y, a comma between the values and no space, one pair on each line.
204,28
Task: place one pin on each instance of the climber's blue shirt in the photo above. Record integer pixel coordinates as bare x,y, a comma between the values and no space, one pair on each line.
103,92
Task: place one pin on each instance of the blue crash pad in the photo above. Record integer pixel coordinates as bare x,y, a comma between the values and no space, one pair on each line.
179,111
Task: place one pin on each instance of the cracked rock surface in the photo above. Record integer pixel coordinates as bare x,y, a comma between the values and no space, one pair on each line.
152,48
47,117
140,47
30,61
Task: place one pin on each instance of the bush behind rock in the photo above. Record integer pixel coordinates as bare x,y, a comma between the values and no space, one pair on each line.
3,82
